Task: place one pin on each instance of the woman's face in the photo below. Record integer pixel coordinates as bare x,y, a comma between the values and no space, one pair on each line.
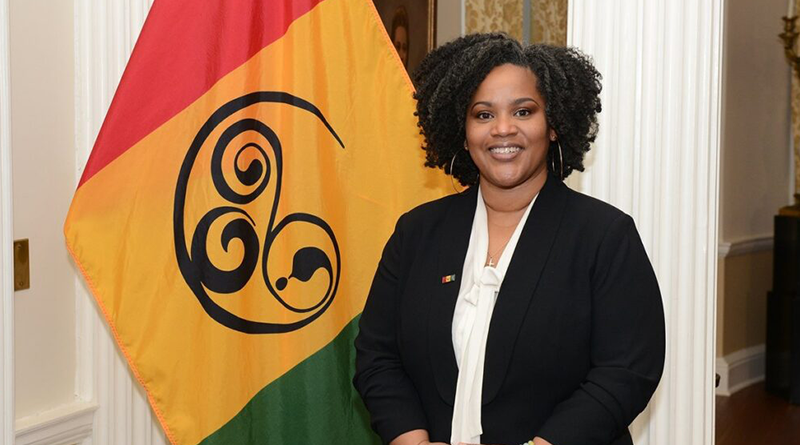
507,132
400,40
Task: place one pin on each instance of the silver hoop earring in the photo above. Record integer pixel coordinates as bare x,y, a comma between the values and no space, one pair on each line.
452,162
560,161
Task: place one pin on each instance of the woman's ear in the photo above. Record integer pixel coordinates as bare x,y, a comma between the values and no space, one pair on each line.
553,135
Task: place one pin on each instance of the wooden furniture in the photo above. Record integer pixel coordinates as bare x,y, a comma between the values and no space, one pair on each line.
782,373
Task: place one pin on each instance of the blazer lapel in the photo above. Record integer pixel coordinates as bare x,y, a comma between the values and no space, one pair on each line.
455,232
519,284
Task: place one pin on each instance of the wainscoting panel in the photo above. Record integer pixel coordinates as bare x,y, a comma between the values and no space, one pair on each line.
740,369
65,425
747,245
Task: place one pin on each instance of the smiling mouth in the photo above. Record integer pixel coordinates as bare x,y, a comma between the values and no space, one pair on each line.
505,150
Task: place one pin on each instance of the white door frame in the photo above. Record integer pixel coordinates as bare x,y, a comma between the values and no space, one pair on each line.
6,241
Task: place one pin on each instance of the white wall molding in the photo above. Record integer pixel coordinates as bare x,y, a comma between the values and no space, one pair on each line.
740,369
657,158
463,17
105,33
65,425
6,242
745,246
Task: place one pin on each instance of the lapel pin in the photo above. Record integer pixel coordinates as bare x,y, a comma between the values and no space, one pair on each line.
448,278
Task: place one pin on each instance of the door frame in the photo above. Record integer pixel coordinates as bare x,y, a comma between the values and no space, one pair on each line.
6,240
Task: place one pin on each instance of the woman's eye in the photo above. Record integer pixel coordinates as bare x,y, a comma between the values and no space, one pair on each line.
483,115
523,112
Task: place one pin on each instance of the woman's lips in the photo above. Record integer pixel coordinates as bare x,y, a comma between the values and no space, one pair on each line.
505,153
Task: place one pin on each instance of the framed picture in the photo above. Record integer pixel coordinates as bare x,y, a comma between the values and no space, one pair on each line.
411,24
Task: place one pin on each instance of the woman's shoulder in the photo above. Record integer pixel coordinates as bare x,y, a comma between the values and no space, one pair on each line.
582,202
431,212
421,224
593,213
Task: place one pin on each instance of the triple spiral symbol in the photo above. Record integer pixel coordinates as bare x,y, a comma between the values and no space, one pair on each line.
205,278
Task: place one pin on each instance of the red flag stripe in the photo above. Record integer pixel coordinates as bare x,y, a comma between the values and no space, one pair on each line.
184,48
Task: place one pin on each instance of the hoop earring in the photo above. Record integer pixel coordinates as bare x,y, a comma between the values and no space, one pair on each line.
560,161
452,162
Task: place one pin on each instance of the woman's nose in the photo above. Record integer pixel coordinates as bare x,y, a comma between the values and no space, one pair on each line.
503,126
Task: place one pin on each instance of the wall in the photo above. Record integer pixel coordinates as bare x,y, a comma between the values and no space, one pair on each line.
495,15
42,124
755,154
755,167
548,19
747,278
449,16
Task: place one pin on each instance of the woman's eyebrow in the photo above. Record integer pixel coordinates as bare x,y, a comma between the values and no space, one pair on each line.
525,99
519,101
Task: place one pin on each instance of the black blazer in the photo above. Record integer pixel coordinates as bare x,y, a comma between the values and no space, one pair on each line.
576,342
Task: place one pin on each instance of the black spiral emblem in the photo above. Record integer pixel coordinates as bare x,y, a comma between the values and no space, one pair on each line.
196,266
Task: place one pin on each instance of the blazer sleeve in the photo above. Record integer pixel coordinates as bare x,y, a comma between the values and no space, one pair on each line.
387,391
627,344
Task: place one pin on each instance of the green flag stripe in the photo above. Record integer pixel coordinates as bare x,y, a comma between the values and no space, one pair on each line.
314,403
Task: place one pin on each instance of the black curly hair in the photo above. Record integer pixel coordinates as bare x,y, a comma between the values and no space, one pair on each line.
448,77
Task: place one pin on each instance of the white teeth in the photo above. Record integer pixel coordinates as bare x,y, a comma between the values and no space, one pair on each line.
505,150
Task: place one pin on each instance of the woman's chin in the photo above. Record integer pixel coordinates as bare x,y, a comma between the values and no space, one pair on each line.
505,183
509,180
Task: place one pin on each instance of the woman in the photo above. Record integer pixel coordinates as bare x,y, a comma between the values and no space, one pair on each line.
518,311
400,33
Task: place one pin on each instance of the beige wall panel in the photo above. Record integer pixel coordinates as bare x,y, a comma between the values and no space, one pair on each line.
448,20
755,153
755,164
748,278
548,19
494,15
43,166
549,22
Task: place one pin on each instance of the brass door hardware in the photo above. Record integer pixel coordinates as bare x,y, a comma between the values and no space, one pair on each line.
22,267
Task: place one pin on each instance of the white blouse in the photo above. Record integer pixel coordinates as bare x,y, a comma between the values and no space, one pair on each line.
476,298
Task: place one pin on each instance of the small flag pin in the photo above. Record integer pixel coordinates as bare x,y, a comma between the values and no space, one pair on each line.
448,278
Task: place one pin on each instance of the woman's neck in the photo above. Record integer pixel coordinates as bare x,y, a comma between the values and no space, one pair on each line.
509,202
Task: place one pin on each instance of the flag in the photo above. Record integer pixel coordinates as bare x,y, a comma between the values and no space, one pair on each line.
232,213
